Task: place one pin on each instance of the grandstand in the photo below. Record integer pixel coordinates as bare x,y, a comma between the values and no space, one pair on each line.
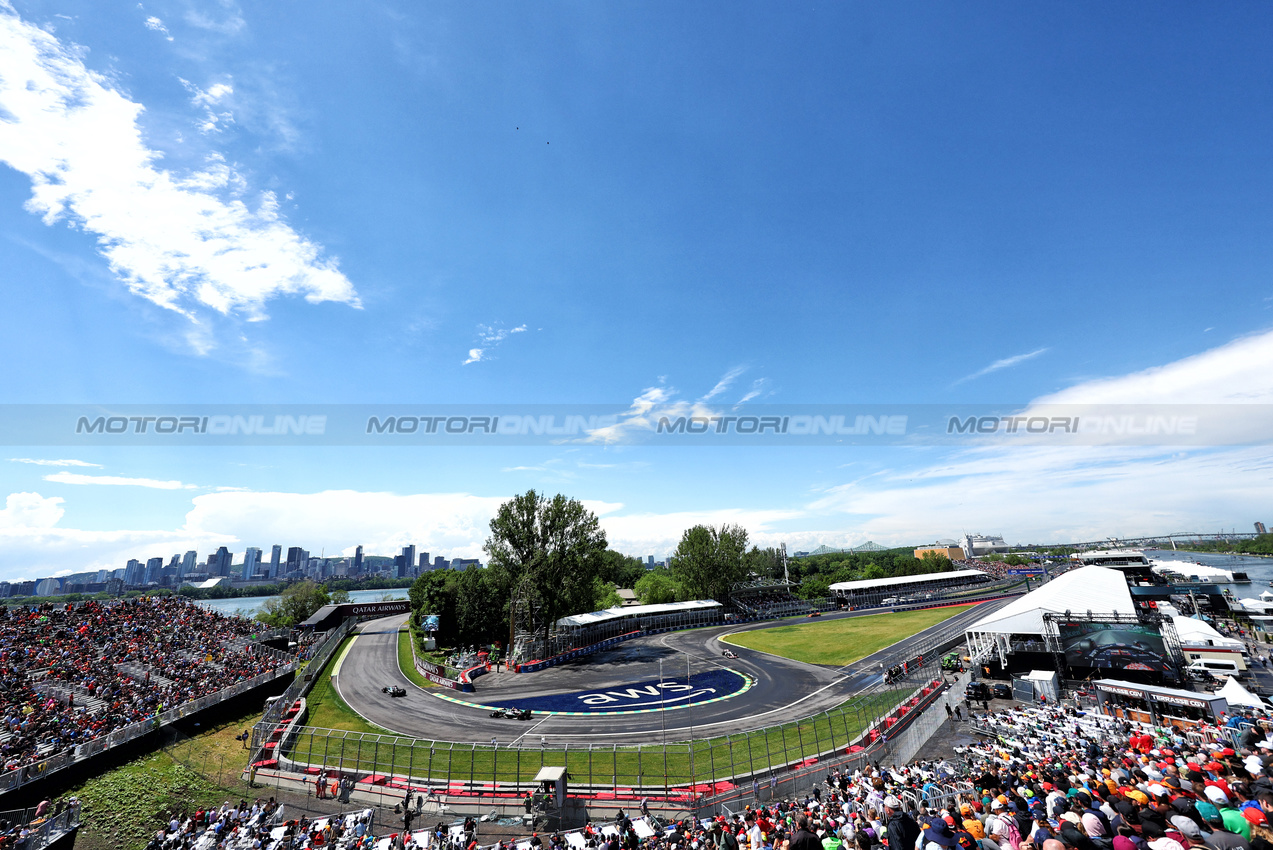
875,591
767,599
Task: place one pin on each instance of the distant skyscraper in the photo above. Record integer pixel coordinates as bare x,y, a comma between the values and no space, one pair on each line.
649,562
440,563
134,573
358,560
251,562
219,564
1260,529
399,566
276,556
154,571
297,559
189,563
424,562
408,559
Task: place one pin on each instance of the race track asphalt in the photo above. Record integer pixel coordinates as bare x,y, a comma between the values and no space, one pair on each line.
783,690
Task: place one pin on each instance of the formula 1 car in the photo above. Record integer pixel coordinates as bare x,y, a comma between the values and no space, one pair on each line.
394,691
729,653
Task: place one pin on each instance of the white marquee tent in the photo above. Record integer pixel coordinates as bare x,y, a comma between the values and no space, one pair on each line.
1090,589
1238,695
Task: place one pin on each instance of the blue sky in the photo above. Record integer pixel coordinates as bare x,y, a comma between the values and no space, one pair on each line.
207,202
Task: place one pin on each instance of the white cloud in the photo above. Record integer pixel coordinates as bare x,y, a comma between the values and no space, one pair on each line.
1005,363
724,383
48,462
116,481
155,24
216,94
1238,371
185,242
228,20
490,336
30,510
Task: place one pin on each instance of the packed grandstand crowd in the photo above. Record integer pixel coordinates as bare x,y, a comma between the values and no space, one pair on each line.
1044,778
261,824
70,673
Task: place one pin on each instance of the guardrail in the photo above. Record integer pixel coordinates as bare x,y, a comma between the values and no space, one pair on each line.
43,831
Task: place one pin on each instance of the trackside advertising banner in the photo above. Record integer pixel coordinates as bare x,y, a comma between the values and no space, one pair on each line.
672,424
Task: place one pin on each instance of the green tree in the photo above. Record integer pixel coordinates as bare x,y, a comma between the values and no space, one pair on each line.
657,587
709,561
764,563
621,570
436,592
547,552
294,605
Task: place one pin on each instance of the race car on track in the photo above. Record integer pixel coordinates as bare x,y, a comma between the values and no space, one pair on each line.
394,691
729,653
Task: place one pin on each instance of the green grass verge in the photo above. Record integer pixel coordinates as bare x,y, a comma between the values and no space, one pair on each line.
123,807
406,660
324,706
840,642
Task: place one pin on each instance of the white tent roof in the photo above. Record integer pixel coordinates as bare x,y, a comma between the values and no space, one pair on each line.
1238,695
1095,589
1197,632
900,581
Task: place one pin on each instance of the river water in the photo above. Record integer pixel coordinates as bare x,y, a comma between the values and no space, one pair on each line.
249,605
1259,569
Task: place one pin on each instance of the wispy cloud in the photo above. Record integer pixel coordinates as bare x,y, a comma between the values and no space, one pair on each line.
216,95
184,242
725,382
156,25
1005,363
117,481
490,336
51,462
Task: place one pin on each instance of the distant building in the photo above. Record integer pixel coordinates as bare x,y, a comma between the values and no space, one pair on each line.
52,587
975,545
276,559
649,562
462,563
251,562
408,561
5,589
297,559
134,573
154,571
219,564
1260,529
954,553
424,562
358,560
440,563
399,566
189,563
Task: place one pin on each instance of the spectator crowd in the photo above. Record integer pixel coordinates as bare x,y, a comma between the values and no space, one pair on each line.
1043,778
75,672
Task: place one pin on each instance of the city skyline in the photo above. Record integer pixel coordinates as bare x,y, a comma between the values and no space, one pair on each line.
635,207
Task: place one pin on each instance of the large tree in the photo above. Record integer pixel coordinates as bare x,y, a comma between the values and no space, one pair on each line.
548,552
709,561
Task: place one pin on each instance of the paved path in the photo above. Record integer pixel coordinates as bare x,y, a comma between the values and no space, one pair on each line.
783,690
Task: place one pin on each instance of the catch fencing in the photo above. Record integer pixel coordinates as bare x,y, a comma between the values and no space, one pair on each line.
872,723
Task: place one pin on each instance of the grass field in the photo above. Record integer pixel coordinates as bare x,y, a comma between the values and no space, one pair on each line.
840,642
406,661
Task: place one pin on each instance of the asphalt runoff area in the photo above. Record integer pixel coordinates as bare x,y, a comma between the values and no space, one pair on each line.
780,690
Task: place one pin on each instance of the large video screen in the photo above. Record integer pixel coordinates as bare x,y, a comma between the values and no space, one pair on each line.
1119,646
